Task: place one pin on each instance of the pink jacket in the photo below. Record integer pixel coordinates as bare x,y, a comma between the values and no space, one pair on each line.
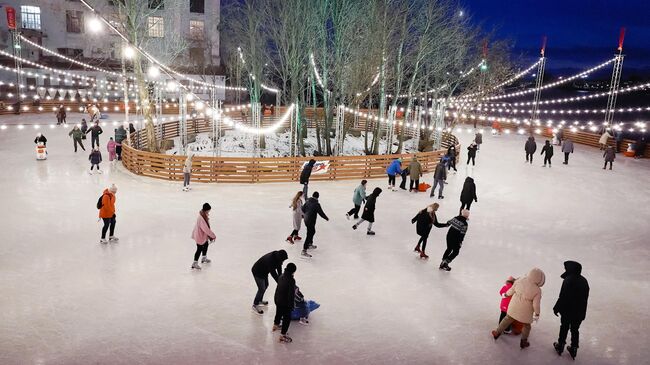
201,231
505,301
111,146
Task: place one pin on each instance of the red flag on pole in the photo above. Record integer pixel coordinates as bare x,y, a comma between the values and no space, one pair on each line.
621,38
11,17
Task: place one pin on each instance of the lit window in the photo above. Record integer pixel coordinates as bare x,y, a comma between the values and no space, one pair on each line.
156,26
196,29
30,17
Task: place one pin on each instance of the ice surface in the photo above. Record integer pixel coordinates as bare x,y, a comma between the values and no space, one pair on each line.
68,300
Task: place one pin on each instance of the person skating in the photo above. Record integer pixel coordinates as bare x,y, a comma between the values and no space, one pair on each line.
95,159
604,138
40,138
202,235
455,236
95,131
187,172
567,148
471,153
106,207
426,218
572,306
547,151
84,128
415,172
369,211
559,136
358,197
60,115
120,136
530,147
610,156
451,153
439,177
395,168
305,175
284,300
110,147
271,263
505,301
311,211
76,135
468,194
297,215
524,307
478,138
404,174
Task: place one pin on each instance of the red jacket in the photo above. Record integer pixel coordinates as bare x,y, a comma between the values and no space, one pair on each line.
505,301
108,205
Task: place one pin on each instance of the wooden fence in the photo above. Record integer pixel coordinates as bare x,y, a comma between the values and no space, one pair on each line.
591,139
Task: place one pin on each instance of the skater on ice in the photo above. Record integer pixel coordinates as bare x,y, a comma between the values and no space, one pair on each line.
305,175
547,151
369,212
77,136
567,149
505,301
95,131
478,139
394,169
95,159
415,172
451,154
297,217
84,128
110,147
604,138
572,306
187,171
311,211
455,236
120,136
202,235
530,147
358,197
468,194
284,301
524,307
271,263
439,177
106,206
471,153
40,138
610,156
426,219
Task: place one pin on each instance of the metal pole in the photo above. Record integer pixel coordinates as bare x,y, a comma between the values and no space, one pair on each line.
19,65
182,114
613,89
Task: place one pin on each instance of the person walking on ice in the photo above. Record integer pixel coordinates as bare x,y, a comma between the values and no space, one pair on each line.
202,235
524,307
394,169
530,147
426,218
187,172
572,306
439,177
358,197
415,172
284,300
471,153
369,211
610,156
76,135
106,206
305,175
271,263
468,194
311,210
110,147
547,151
567,149
455,237
478,139
95,159
296,208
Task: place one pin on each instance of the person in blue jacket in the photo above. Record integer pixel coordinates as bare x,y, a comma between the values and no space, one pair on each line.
394,169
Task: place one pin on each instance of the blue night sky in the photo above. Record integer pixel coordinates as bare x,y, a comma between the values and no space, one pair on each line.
580,32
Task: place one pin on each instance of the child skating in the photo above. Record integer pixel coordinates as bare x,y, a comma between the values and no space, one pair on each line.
202,234
95,159
505,301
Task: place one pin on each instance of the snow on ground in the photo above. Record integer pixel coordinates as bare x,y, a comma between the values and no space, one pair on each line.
68,300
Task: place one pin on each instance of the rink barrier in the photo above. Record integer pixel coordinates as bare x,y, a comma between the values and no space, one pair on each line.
592,139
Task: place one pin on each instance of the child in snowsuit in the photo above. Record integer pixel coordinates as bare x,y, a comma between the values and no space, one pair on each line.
95,159
505,301
110,146
369,211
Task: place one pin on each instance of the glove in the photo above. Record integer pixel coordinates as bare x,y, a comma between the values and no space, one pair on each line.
535,317
555,312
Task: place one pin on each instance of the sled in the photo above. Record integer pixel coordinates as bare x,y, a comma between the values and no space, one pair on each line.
311,306
423,187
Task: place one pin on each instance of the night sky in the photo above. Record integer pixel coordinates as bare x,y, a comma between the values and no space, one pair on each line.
580,33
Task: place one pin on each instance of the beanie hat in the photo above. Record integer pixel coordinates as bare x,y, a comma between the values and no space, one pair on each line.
316,195
113,188
291,268
206,206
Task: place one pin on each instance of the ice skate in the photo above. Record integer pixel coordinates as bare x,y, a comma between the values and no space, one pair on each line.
290,239
559,348
524,343
312,247
205,260
263,302
573,351
99,172
354,227
304,321
195,265
495,334
417,248
103,240
306,254
185,189
347,216
297,238
275,327
423,255
370,233
90,172
285,339
113,239
441,197
257,310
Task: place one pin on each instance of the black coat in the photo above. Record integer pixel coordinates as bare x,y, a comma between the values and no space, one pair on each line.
441,172
271,263
547,150
285,291
425,221
95,131
306,172
40,138
369,209
572,303
471,151
311,210
530,146
469,191
451,151
456,233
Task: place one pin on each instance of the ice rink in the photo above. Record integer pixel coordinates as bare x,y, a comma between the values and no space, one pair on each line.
66,299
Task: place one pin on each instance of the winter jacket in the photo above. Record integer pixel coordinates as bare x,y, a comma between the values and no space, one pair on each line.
567,147
297,215
441,172
110,146
84,127
108,205
271,263
415,170
95,130
572,303
457,230
603,139
285,291
547,150
41,139
530,146
478,138
395,167
202,231
469,191
75,134
306,172
425,221
505,301
131,128
61,113
311,209
471,150
120,134
610,154
359,195
526,296
369,209
95,157
187,165
451,151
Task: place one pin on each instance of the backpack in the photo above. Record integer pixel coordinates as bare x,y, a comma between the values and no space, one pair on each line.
100,204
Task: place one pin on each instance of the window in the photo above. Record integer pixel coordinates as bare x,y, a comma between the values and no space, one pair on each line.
156,4
197,56
197,6
156,26
74,21
30,17
196,29
71,52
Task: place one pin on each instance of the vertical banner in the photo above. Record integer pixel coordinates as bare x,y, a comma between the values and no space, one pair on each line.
11,17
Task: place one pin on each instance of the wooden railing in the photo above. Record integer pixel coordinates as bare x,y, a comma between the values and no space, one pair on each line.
591,139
